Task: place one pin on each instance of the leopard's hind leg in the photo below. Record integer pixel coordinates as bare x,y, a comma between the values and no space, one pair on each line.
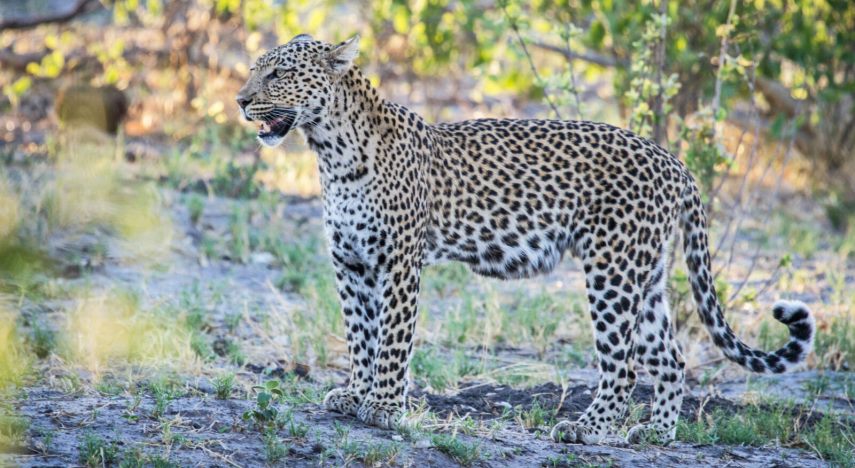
614,299
658,351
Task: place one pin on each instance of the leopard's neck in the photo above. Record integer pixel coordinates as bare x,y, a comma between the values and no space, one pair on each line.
346,139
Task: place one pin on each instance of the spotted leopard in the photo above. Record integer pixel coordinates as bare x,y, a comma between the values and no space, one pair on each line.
508,198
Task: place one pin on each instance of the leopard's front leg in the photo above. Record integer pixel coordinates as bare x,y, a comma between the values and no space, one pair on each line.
398,291
354,280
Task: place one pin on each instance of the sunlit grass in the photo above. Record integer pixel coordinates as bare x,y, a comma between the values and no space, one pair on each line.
294,171
14,358
308,330
89,192
10,210
13,428
112,328
774,423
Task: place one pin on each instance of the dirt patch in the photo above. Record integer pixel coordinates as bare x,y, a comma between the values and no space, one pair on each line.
489,401
197,429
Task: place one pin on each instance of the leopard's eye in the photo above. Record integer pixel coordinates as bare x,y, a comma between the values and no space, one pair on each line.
282,72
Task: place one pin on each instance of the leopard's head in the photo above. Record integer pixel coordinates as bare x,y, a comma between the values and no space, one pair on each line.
293,85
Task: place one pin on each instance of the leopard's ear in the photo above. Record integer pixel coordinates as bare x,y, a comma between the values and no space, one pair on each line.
301,38
340,58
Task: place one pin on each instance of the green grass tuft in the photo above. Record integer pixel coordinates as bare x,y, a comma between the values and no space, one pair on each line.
462,452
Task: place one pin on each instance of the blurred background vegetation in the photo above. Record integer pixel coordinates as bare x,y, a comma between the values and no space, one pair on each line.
677,72
141,224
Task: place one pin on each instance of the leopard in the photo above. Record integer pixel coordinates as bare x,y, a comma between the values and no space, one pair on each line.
508,198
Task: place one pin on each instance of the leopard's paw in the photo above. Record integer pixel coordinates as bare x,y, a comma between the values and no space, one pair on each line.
342,400
385,415
650,435
573,432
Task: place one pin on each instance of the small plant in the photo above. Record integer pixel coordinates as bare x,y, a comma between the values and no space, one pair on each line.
342,432
464,453
163,396
274,449
201,346
265,413
133,458
109,388
537,416
232,320
130,414
831,437
42,340
12,429
696,432
296,429
195,207
235,354
295,393
95,451
833,440
380,454
223,385
47,437
159,461
168,437
819,386
239,242
236,181
210,246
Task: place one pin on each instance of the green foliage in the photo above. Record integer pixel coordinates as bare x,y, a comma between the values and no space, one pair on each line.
95,451
536,417
462,452
703,153
265,414
646,83
535,320
239,244
274,449
14,90
163,391
831,437
441,371
834,344
13,428
42,340
195,207
223,385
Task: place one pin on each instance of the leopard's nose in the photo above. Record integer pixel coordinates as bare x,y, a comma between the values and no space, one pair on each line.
243,101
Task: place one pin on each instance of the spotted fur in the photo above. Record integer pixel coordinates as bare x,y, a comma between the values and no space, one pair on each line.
508,198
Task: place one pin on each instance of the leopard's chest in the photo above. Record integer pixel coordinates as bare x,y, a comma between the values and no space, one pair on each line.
352,225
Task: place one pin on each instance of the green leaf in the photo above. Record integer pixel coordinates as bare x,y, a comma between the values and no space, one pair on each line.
21,85
597,34
401,20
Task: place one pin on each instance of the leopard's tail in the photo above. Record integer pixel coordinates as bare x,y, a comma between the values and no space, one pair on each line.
795,315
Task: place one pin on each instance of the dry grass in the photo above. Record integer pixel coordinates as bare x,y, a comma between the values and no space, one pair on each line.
112,329
15,359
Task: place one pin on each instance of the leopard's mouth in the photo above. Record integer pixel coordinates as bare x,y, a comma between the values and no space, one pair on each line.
271,132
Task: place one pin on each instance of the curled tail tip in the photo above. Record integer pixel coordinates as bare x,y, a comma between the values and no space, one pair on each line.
791,312
798,318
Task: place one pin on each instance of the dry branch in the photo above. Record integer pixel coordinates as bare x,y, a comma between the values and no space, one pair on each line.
18,62
77,8
778,96
590,57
